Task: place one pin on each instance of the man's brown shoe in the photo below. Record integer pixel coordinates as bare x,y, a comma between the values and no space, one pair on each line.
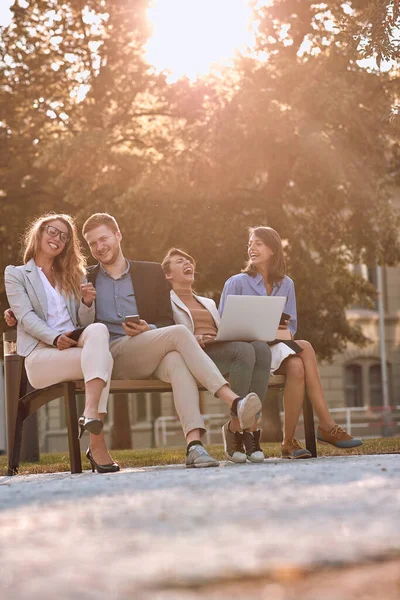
338,437
292,449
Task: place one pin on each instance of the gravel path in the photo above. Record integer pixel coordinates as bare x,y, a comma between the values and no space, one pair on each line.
154,532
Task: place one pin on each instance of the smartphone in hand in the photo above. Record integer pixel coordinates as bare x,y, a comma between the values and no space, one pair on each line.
284,317
132,319
76,333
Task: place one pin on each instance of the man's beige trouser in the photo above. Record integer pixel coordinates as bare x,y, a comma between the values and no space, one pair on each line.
171,354
90,359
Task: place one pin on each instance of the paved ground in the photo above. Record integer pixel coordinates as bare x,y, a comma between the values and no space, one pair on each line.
172,533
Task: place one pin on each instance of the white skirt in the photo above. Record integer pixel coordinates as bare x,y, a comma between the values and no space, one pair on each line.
279,353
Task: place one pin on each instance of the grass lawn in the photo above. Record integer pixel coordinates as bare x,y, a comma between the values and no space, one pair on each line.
54,463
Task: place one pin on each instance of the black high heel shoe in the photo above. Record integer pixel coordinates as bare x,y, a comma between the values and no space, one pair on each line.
94,426
110,468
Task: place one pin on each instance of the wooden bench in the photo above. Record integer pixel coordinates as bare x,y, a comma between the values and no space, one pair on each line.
21,403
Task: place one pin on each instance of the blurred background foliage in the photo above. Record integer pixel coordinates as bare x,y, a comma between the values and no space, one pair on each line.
300,134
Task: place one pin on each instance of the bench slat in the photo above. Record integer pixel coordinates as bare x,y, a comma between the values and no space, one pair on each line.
155,385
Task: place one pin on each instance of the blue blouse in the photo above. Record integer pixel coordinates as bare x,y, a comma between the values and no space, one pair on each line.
246,285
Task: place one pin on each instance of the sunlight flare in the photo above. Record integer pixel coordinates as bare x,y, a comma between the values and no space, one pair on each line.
189,36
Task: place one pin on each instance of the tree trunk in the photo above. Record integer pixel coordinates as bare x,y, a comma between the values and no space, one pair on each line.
121,438
270,420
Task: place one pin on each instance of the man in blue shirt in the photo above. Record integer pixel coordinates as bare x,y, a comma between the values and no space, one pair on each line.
155,346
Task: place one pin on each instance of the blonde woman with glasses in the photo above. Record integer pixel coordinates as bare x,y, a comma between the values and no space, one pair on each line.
55,311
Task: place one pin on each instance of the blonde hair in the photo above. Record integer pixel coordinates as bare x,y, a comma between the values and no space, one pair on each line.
99,219
69,266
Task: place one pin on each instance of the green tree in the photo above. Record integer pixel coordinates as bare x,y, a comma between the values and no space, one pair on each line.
306,145
376,32
83,116
301,140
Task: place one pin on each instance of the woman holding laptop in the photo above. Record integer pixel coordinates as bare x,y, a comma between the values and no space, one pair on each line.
264,275
248,363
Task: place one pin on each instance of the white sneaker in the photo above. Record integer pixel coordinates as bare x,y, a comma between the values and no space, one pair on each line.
251,440
247,409
198,457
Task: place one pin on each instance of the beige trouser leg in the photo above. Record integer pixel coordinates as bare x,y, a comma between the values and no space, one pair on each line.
173,369
90,359
139,356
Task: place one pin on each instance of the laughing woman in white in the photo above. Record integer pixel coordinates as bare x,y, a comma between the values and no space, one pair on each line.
49,301
248,363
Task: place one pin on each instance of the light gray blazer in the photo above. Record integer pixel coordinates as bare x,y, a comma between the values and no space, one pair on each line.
182,315
27,298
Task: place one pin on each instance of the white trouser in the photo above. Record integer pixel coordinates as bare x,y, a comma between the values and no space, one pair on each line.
90,359
171,354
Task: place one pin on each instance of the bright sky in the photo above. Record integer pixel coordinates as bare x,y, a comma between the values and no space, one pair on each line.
190,35
5,14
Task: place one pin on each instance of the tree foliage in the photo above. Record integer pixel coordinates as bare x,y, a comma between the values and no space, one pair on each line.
377,32
298,135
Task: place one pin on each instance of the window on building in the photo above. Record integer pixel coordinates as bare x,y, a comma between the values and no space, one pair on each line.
372,276
375,384
369,274
353,385
363,382
146,407
140,407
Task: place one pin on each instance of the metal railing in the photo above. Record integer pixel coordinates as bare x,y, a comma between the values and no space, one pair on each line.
212,422
161,430
376,416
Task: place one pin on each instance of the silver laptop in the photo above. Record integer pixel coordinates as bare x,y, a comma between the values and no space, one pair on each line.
250,318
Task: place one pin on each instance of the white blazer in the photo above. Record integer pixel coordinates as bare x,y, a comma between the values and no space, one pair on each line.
182,314
27,298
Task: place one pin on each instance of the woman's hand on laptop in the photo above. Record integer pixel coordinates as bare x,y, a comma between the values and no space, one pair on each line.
285,326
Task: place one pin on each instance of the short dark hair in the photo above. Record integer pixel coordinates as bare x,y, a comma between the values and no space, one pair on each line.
271,238
175,252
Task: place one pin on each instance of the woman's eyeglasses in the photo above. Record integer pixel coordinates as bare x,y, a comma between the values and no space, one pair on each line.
54,232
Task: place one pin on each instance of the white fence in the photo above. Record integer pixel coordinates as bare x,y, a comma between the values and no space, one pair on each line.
375,416
168,426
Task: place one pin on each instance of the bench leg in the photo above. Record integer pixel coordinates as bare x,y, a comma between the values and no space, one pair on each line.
14,446
309,428
12,380
30,435
72,425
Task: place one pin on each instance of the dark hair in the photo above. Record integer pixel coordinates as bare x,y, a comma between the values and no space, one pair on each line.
175,252
277,266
